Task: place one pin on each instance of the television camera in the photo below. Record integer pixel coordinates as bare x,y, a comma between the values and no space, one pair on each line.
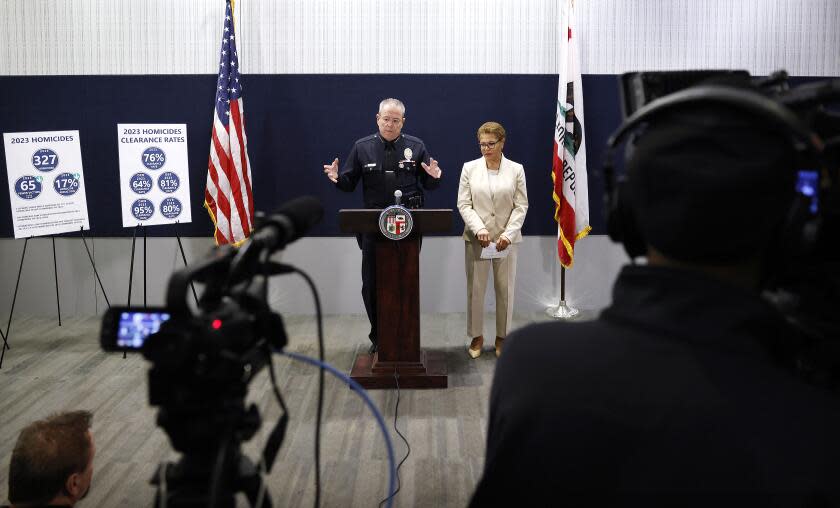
203,360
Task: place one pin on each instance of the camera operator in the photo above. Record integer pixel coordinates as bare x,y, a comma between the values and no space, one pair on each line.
680,391
52,462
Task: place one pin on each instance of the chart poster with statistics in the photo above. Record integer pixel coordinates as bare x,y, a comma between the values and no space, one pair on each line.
154,174
46,182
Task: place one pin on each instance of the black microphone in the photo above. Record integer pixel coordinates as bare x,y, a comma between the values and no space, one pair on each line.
274,232
291,221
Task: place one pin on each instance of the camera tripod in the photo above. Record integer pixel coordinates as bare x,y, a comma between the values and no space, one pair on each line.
207,481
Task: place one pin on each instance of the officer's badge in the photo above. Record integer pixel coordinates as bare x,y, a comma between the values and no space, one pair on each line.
408,153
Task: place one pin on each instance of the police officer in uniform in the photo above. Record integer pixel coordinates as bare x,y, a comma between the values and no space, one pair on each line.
385,162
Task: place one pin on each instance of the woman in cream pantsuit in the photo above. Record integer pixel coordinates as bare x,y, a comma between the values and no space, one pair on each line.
493,200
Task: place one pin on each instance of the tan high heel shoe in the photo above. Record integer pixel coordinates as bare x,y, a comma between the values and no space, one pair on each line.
499,342
475,347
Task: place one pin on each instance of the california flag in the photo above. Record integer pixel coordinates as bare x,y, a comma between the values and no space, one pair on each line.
568,171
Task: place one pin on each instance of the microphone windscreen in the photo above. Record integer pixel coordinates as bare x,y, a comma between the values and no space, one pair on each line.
304,212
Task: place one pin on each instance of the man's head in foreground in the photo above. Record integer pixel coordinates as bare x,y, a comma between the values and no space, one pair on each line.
52,462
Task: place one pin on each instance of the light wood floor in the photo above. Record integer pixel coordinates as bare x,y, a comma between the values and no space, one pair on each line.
51,368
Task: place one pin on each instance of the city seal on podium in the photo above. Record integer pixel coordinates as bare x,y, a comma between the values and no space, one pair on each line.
396,222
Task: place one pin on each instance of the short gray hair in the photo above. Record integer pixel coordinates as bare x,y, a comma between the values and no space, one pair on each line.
392,102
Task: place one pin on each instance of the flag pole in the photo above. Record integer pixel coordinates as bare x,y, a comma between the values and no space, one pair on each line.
562,310
568,170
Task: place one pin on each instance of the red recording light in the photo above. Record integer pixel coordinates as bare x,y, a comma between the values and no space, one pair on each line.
216,324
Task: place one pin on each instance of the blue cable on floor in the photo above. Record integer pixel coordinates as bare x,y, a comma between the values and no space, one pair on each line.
392,470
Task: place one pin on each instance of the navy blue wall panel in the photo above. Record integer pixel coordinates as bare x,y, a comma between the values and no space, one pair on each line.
297,123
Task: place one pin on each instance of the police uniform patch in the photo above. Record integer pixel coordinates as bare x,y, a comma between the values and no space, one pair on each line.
408,153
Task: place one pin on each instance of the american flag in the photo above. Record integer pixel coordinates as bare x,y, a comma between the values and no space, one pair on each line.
228,196
568,171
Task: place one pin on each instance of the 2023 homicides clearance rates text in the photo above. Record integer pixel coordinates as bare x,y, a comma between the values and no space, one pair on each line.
154,174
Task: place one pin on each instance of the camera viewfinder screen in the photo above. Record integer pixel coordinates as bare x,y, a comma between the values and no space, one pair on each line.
807,183
134,327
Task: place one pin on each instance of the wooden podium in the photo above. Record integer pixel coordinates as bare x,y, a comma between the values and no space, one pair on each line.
398,304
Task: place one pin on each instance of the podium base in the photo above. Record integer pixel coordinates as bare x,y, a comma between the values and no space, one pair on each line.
372,374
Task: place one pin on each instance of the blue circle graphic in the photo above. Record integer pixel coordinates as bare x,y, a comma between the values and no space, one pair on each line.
170,208
140,183
28,187
153,157
66,184
142,209
168,182
45,160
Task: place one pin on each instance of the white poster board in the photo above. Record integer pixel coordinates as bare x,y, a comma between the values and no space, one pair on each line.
46,182
154,174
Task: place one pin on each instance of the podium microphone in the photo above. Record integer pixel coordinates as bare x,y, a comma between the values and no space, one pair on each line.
397,196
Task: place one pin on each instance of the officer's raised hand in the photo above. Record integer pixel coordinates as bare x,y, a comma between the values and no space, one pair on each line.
433,169
332,170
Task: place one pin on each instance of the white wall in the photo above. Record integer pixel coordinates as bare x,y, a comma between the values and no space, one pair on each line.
417,36
334,264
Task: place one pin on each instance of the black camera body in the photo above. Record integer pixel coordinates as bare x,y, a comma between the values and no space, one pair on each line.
203,359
